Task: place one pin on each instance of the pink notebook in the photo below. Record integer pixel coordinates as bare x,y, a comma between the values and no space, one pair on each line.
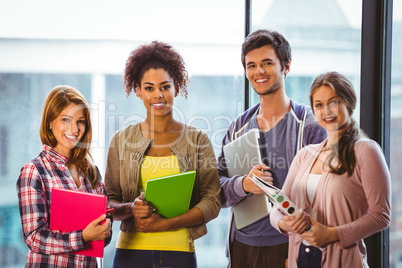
72,210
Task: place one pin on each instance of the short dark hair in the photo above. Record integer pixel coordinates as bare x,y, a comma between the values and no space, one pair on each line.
262,38
154,56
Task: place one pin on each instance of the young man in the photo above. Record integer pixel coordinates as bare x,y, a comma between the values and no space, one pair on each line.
285,126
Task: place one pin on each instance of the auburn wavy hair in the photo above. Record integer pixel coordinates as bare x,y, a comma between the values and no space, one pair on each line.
56,101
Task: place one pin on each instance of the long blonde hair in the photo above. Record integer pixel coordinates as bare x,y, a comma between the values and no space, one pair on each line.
56,101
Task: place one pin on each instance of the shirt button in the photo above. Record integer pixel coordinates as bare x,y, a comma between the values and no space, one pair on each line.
307,250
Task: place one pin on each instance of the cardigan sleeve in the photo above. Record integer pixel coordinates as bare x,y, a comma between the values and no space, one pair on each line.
112,174
209,187
376,182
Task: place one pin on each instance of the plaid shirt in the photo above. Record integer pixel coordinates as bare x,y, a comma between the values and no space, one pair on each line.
49,248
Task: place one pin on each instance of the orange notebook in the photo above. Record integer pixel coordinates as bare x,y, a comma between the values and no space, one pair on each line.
72,210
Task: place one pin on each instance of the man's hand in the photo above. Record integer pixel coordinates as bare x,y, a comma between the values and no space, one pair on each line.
260,171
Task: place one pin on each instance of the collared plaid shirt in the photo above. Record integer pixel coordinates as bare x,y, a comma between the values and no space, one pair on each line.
49,248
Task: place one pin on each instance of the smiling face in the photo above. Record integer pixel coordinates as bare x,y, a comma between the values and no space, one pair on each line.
157,91
68,128
264,71
329,110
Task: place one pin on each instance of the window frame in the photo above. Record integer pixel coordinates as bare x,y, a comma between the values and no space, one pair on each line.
375,100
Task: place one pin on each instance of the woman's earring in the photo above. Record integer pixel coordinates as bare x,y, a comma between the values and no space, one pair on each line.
50,127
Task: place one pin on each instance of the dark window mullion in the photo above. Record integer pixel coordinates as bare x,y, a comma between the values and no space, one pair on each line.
375,98
247,31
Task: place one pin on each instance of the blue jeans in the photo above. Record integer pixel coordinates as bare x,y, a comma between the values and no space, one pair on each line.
124,258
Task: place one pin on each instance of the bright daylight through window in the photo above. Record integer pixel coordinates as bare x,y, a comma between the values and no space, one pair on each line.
85,44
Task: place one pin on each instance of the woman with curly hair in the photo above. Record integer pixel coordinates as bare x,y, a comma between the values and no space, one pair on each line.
343,184
159,146
64,162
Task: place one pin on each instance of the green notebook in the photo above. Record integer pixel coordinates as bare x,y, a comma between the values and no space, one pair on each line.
170,195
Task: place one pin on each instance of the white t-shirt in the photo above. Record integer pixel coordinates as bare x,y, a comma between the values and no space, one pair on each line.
312,183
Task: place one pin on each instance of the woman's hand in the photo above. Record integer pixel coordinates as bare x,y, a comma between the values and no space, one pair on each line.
153,223
156,223
98,229
320,235
141,209
260,171
296,224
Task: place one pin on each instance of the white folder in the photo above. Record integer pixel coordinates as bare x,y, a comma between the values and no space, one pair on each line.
240,156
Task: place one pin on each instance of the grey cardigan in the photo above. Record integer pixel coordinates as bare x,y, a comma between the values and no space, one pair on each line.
194,152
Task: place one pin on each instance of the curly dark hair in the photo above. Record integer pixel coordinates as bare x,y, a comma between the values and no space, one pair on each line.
155,55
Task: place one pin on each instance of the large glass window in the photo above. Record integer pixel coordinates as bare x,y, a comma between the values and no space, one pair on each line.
396,139
21,100
85,44
324,36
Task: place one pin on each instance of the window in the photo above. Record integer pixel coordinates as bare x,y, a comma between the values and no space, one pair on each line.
324,36
85,45
3,150
396,140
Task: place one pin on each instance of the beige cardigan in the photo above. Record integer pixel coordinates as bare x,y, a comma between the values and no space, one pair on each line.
194,152
358,206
